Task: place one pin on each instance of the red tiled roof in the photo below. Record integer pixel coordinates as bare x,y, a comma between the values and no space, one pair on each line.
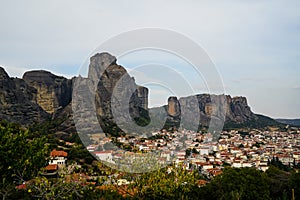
21,187
56,153
51,167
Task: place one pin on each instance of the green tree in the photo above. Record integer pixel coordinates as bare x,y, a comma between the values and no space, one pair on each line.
294,183
235,183
278,181
167,183
22,155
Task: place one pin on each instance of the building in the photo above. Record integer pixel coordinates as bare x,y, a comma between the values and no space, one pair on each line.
58,158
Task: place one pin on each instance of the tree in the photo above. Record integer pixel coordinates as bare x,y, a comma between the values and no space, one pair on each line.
22,155
278,182
167,183
237,183
294,183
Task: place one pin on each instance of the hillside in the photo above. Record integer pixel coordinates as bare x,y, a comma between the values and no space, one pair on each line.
293,122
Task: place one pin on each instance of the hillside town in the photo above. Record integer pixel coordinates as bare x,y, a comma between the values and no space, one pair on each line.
198,151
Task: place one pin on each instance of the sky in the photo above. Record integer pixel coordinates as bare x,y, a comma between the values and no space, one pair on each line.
254,45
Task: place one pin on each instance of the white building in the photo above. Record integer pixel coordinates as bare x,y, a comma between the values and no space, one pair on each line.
105,156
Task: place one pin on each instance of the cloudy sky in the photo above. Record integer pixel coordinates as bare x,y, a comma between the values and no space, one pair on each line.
255,45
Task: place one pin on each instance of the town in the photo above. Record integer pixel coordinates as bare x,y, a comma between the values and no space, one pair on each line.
197,150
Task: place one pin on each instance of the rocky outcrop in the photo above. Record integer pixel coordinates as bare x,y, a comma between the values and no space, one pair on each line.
53,92
111,98
198,111
238,110
18,101
119,99
116,98
173,107
142,95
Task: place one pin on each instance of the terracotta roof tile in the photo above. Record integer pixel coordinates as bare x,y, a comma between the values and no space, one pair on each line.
51,167
56,153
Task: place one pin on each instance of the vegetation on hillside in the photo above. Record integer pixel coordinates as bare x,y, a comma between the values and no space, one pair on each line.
24,153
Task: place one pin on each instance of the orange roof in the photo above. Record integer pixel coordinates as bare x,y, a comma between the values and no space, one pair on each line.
21,187
55,153
201,182
51,167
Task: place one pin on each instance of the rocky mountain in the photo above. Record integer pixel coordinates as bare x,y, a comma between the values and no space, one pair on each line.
108,94
18,101
53,92
202,108
110,97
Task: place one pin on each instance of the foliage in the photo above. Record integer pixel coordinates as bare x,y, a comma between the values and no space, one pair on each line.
22,155
67,187
167,183
278,182
237,183
46,127
294,183
79,153
261,122
277,163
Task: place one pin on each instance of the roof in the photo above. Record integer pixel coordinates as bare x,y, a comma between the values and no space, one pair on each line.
21,187
201,182
51,167
56,153
102,152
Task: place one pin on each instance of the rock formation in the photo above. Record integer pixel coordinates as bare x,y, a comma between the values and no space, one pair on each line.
18,101
118,100
200,109
53,92
111,98
173,107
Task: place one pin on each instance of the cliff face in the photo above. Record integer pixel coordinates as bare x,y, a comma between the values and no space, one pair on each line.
53,92
112,97
18,101
41,95
118,98
200,109
173,107
238,110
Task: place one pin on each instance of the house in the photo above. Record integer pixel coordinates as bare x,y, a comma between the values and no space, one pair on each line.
105,156
214,172
91,147
204,150
58,157
51,171
207,166
237,163
57,160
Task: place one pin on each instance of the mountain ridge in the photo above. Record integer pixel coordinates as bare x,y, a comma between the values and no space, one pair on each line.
48,96
293,122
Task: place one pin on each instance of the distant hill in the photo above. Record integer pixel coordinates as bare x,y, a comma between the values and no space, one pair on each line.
293,122
260,121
